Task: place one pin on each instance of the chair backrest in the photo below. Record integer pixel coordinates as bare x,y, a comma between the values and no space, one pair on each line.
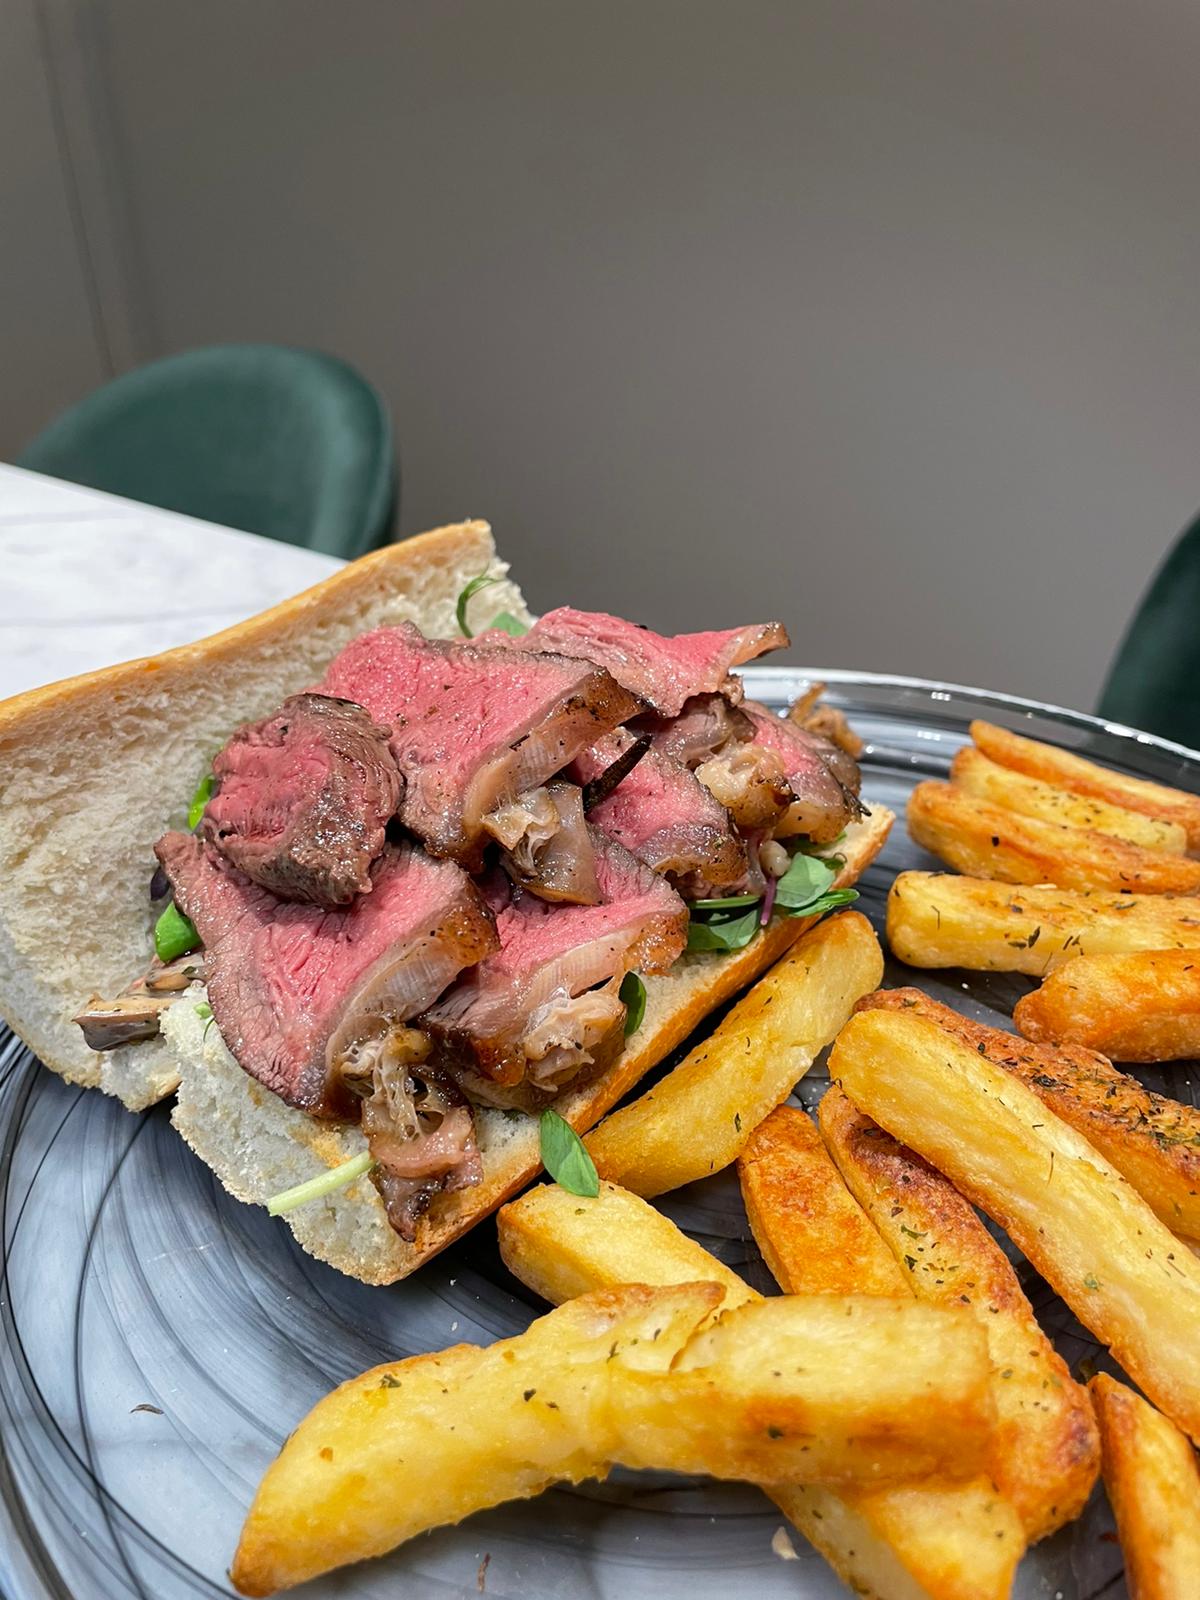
1154,681
288,443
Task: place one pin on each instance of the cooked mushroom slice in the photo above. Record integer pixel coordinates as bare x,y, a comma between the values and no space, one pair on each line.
134,1014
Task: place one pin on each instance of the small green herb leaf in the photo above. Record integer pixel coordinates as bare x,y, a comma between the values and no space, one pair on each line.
464,599
565,1158
327,1183
203,794
805,880
633,998
174,935
507,623
204,1011
733,934
827,902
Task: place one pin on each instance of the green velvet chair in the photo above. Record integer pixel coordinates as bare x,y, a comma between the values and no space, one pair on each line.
1154,681
287,443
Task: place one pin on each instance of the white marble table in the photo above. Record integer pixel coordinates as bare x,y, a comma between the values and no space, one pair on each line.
87,579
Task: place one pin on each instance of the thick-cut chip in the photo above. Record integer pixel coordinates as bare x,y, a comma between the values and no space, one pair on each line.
1046,1454
773,1391
1154,1488
849,1389
1144,1006
1013,791
951,1540
563,1245
812,1232
699,1117
943,1540
1072,772
937,920
981,839
1152,1141
1086,1230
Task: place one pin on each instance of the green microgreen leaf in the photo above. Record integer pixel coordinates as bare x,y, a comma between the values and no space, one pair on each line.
203,794
174,935
464,599
327,1183
805,880
827,902
732,934
633,998
565,1158
507,623
204,1011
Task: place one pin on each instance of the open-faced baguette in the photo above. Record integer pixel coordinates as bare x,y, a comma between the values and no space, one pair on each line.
94,770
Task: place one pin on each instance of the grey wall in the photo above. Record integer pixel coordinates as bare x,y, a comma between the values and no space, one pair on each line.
51,342
875,314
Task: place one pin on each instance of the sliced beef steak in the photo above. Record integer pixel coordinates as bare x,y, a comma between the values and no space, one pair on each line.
824,803
474,726
661,814
664,672
544,1008
297,991
303,799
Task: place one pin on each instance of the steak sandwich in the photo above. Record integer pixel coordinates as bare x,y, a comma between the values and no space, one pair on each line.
401,914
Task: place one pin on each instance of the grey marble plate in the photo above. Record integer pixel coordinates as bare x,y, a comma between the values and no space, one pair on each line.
158,1340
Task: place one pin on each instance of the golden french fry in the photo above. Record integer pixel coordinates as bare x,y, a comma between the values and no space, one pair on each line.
772,1392
987,842
1154,1142
937,920
563,1246
943,1540
1154,1489
1140,1006
951,1540
1001,786
1084,1228
1073,772
424,1442
928,1540
698,1118
1046,1454
815,1389
812,1232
